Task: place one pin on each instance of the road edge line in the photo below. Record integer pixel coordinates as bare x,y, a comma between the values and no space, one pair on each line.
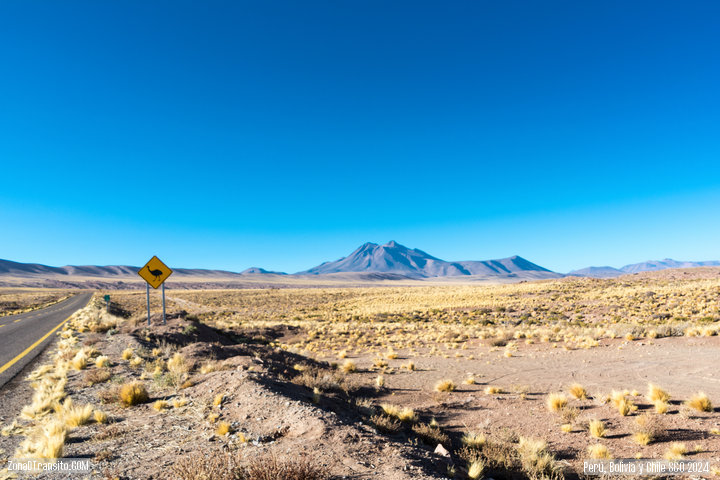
32,347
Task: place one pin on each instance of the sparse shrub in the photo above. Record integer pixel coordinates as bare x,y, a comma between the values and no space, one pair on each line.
92,377
700,402
445,386
625,407
661,407
676,451
596,428
179,402
535,459
385,424
73,415
100,416
45,441
218,400
380,363
178,369
223,428
577,391
556,402
473,440
407,415
490,390
160,405
102,361
133,394
349,366
657,394
128,353
271,468
599,452
476,469
430,435
79,361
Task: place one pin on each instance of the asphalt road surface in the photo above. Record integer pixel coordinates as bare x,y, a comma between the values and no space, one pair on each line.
24,336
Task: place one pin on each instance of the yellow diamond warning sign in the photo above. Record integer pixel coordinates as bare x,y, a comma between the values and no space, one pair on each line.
155,272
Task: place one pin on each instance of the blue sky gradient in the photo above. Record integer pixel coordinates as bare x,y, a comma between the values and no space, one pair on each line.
283,134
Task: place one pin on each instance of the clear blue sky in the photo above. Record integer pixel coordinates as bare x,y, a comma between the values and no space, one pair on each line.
282,134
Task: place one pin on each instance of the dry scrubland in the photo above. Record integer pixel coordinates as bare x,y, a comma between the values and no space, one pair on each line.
514,381
21,300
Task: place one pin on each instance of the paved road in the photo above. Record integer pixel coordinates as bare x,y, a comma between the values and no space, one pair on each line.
24,336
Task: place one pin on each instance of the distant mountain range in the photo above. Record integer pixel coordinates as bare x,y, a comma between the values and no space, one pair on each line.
368,263
414,263
649,266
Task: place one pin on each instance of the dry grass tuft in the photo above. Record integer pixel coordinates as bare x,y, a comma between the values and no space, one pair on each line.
202,466
700,402
657,394
385,424
79,361
625,407
92,377
599,452
128,353
430,435
349,366
223,428
100,416
556,402
160,405
676,451
661,407
473,440
178,369
577,391
133,393
596,428
445,386
102,361
75,416
45,442
476,469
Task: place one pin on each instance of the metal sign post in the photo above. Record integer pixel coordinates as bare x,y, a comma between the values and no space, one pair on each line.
148,302
107,303
163,295
155,272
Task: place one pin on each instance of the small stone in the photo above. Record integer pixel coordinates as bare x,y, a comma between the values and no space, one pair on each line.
440,450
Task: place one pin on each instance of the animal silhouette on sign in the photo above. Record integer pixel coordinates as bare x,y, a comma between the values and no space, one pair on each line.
156,273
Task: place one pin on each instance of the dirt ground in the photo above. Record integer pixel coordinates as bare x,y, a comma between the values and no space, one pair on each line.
308,407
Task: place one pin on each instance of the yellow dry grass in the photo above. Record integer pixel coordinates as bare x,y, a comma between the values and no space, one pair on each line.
556,402
596,428
700,402
445,386
577,391
133,393
599,452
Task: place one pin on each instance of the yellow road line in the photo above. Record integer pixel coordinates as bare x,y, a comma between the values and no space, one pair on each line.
15,321
31,347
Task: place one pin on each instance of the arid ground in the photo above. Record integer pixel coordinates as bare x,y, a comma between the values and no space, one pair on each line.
514,381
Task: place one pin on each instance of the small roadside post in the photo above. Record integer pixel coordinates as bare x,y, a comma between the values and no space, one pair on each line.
107,303
155,272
